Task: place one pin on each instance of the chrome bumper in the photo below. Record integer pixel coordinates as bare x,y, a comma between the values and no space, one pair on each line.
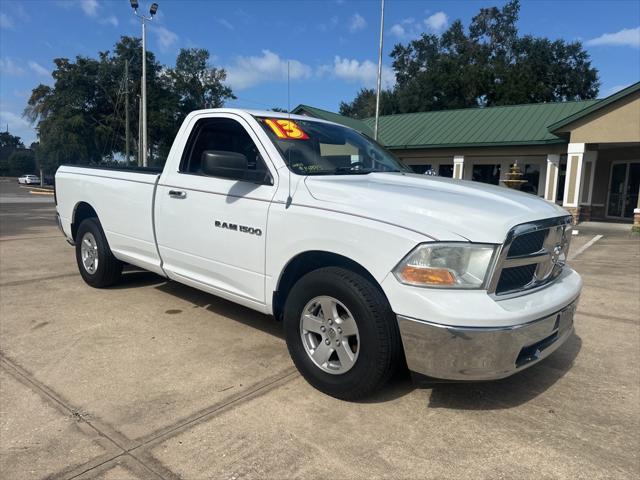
477,353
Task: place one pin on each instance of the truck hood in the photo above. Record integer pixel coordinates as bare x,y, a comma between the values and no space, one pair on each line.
440,208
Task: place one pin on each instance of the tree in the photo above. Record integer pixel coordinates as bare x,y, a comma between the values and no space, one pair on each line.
197,84
81,118
22,162
9,143
487,65
364,105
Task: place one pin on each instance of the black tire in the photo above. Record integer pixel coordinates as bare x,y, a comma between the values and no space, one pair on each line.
380,347
109,267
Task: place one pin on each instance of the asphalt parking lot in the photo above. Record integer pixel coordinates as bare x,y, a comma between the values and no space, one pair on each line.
152,379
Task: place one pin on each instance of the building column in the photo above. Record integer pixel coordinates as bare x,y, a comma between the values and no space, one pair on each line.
573,179
458,166
551,183
587,209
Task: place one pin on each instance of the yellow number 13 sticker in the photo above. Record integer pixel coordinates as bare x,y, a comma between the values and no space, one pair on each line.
286,129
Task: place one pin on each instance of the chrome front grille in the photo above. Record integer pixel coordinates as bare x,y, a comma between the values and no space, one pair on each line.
532,256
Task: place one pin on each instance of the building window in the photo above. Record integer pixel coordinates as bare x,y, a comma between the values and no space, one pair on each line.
420,168
486,174
562,174
532,176
446,171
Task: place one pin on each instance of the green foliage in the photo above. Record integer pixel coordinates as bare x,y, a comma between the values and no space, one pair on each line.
364,105
81,119
21,162
490,64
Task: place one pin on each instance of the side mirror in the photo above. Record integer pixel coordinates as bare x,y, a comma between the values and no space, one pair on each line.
218,163
232,165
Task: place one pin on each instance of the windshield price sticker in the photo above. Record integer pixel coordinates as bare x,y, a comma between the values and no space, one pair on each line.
287,129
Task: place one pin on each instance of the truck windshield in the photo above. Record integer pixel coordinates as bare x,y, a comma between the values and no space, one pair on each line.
316,148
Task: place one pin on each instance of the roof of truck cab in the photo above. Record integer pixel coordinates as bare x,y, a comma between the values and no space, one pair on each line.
262,113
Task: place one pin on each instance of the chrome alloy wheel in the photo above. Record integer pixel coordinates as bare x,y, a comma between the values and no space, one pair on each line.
329,335
89,253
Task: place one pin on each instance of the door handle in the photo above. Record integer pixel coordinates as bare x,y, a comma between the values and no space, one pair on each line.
177,194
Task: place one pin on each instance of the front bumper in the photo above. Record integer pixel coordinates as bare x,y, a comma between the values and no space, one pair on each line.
482,353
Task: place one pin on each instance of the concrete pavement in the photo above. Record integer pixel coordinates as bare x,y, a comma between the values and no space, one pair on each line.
152,379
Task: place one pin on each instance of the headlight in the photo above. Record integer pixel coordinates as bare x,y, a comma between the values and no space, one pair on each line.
446,265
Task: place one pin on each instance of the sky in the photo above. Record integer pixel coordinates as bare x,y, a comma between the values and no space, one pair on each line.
331,46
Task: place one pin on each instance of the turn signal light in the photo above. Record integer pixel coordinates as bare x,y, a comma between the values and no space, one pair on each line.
427,275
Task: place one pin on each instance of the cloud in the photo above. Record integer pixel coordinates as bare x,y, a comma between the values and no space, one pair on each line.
226,24
627,37
248,71
17,126
437,22
357,23
364,73
333,22
110,20
9,67
397,30
90,7
410,28
5,21
39,69
165,37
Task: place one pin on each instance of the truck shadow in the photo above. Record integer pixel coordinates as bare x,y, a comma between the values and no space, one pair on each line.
222,307
497,395
509,392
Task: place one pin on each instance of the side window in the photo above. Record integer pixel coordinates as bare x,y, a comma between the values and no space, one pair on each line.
222,138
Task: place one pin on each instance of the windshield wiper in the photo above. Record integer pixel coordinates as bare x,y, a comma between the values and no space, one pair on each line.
358,171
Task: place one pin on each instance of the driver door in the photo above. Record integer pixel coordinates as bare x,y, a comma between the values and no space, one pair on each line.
211,230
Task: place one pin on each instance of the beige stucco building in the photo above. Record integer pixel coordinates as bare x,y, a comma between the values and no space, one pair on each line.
582,155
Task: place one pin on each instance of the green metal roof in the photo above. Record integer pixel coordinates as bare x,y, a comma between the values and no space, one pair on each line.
359,125
595,107
476,127
530,124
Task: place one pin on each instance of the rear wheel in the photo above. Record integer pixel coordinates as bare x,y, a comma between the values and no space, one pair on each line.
97,265
341,333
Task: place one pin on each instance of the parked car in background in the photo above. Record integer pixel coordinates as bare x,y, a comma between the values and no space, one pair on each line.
367,264
29,180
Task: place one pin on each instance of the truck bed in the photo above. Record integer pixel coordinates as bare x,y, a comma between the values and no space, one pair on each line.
123,199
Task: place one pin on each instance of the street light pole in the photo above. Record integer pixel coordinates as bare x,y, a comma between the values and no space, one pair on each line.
152,12
144,94
379,79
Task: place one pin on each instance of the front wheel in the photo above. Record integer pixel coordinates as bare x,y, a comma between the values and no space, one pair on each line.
341,333
97,265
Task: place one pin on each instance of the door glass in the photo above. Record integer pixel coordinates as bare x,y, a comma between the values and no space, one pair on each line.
633,184
616,190
221,135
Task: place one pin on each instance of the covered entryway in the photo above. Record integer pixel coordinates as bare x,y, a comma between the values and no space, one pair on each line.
603,158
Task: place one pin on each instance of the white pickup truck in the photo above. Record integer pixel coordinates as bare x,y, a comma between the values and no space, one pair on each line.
369,266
